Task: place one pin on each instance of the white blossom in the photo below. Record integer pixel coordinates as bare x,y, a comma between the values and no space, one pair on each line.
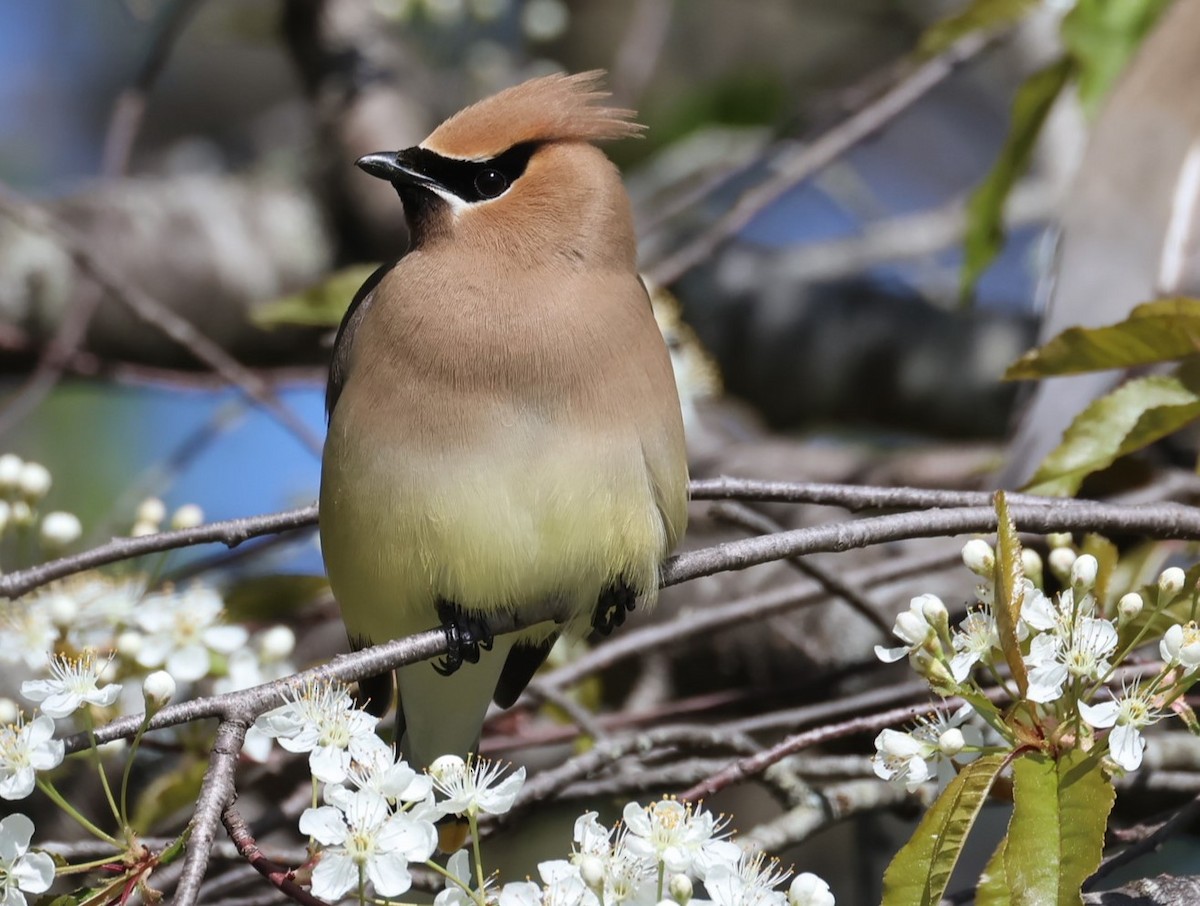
683,838
1180,646
323,722
73,683
21,871
903,757
1079,652
912,628
182,632
752,881
26,749
1126,716
974,640
459,890
474,786
377,769
27,634
362,835
808,889
59,529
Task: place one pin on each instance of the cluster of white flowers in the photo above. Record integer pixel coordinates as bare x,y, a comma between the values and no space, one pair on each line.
378,817
1070,648
23,488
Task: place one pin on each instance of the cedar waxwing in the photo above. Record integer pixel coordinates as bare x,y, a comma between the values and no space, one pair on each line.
504,428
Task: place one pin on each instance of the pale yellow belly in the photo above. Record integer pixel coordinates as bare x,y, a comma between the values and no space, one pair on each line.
521,520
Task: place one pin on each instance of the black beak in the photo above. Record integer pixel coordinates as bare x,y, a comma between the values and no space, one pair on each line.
390,165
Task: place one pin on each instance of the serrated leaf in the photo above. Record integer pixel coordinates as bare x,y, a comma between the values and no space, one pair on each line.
321,305
277,597
169,793
1101,35
978,15
985,210
1154,332
1137,413
1009,592
1056,835
918,875
992,889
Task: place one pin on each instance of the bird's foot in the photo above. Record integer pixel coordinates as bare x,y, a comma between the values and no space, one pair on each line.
614,605
466,636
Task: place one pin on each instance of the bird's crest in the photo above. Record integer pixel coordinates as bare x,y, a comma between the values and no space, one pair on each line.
552,108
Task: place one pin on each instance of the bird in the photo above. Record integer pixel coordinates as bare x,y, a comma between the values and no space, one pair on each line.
504,431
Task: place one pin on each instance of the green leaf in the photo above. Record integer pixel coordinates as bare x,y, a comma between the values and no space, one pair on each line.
318,306
977,16
1009,592
1133,416
985,209
993,885
1100,36
1154,332
1056,835
169,793
266,598
920,871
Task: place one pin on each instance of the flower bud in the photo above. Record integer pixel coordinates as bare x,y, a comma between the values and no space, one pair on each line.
151,510
591,870
951,742
20,513
63,609
935,612
680,889
1031,566
1059,539
187,516
1084,571
34,481
1170,582
979,557
60,529
1129,606
158,688
142,529
9,712
809,890
1061,561
277,643
446,766
10,472
129,643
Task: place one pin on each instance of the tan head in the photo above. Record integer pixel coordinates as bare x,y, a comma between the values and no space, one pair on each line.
517,174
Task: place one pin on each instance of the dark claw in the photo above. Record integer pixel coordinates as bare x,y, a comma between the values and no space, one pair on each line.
466,636
614,605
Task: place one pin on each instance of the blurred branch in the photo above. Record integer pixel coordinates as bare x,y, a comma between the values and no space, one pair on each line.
639,49
811,157
127,113
148,309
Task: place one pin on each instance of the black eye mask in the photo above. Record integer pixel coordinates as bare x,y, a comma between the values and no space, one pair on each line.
472,180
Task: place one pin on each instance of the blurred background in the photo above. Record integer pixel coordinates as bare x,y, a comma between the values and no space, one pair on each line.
862,211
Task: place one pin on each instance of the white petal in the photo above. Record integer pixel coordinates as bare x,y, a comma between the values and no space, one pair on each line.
500,799
521,893
389,873
635,819
37,690
225,639
1100,716
334,875
327,763
106,696
16,785
890,655
61,704
325,824
189,663
16,831
1045,683
1125,745
34,872
155,650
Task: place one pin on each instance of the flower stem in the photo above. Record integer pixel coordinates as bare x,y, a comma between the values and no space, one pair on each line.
473,823
90,726
83,867
57,798
123,814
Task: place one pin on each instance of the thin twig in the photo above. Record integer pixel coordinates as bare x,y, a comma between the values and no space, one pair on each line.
230,532
126,118
739,514
812,157
853,497
151,311
279,875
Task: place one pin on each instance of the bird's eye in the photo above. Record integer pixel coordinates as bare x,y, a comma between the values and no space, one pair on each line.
490,183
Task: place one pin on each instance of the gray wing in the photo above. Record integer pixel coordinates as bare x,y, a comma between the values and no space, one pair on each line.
345,335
